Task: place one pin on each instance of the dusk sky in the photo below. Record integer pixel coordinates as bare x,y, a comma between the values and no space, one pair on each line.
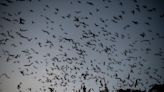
81,45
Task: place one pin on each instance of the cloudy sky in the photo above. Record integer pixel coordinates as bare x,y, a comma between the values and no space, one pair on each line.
72,45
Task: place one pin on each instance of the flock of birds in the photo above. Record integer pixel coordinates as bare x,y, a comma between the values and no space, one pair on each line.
81,46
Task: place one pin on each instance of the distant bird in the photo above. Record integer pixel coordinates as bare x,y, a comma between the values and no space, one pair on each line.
142,34
21,21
